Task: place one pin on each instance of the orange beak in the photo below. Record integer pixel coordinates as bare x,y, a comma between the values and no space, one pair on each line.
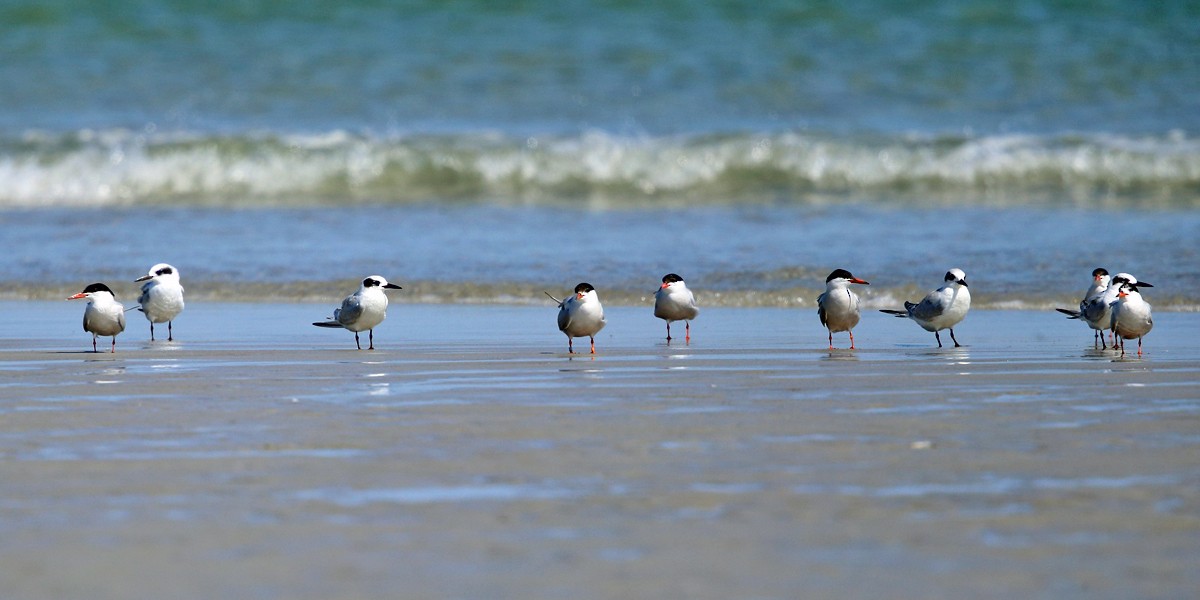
78,296
1121,294
579,295
664,286
857,280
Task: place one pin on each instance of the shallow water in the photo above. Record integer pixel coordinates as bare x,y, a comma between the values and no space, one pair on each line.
774,254
272,458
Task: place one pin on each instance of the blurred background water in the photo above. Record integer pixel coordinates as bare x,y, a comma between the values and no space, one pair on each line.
487,150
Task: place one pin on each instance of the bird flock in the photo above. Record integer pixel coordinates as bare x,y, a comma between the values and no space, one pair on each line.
1114,304
1111,304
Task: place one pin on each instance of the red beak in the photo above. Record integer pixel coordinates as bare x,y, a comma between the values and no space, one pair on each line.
78,296
857,280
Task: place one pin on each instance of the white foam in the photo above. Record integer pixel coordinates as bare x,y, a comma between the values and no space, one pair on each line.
104,167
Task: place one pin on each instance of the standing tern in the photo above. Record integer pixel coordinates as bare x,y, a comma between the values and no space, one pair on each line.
103,315
580,315
942,308
363,310
162,297
1131,316
1100,283
838,306
1098,310
674,302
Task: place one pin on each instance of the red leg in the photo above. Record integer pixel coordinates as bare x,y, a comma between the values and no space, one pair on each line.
851,340
593,344
687,329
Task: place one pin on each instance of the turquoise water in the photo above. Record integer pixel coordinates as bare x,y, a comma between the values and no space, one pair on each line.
621,67
753,147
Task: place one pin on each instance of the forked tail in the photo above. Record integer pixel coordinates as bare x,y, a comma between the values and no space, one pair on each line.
1071,314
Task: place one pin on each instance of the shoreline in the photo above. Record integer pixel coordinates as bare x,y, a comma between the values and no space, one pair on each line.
248,325
258,455
530,295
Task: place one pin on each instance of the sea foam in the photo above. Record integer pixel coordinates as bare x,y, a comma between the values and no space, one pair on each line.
114,167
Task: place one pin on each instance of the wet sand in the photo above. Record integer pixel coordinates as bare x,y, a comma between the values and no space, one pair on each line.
470,457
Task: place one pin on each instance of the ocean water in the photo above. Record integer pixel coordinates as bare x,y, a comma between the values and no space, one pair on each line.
482,153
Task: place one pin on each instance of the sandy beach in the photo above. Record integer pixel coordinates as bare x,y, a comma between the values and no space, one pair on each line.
275,154
471,457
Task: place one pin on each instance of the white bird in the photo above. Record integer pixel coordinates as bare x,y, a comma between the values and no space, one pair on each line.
363,310
838,306
942,308
103,315
1100,283
674,302
1131,316
1097,311
162,297
580,315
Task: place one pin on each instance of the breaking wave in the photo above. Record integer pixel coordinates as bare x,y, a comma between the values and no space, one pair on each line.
115,167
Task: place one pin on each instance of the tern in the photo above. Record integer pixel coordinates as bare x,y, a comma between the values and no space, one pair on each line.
103,315
1131,316
838,306
1100,283
1097,311
363,310
162,297
674,302
580,315
942,308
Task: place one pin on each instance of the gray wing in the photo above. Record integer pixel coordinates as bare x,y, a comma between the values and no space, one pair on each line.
1093,310
145,297
821,308
564,317
350,311
929,308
